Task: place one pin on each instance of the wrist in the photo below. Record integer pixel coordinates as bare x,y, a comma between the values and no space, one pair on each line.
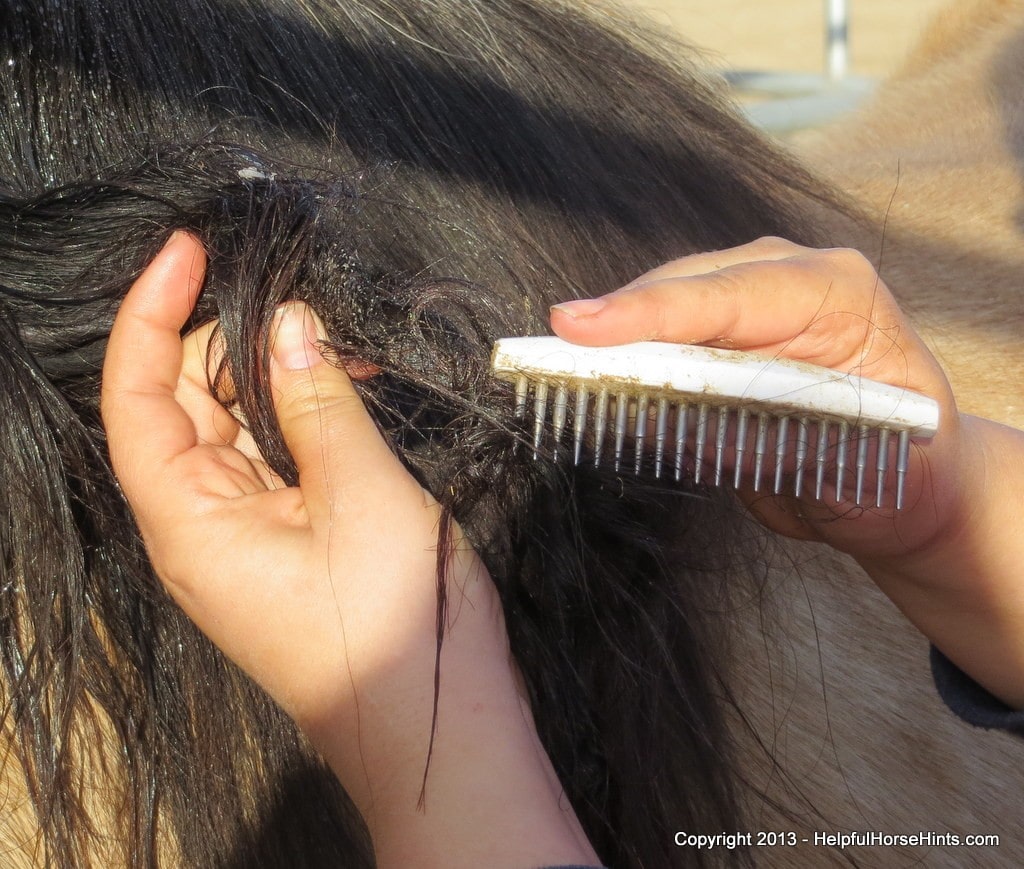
376,728
961,586
940,535
480,777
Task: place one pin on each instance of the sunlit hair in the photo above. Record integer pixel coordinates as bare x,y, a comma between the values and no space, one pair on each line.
429,176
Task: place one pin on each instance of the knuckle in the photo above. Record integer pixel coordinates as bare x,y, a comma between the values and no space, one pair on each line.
660,320
297,402
109,402
306,401
655,310
106,403
727,291
849,261
773,245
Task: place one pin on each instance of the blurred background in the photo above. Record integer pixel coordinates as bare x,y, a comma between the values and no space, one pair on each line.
789,34
776,51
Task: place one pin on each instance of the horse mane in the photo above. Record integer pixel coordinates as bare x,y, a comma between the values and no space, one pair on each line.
430,177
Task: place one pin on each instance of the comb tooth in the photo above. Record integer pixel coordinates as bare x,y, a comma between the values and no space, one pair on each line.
760,449
802,442
579,423
862,459
842,448
600,424
559,414
660,435
682,421
621,410
780,451
640,431
820,456
882,465
522,387
540,408
742,420
902,464
720,432
701,440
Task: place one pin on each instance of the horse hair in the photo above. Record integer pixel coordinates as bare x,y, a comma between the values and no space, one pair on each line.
429,175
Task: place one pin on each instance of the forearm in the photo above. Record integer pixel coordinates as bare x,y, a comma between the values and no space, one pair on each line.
491,796
965,590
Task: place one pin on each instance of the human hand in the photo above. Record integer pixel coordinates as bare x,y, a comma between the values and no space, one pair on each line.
827,308
295,584
944,559
326,592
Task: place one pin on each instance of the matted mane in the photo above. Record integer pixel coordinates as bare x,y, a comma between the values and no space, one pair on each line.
429,177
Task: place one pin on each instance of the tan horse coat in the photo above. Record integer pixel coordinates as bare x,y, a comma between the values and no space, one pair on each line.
843,698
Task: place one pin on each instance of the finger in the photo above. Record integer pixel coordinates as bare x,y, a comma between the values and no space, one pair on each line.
564,316
331,437
767,249
216,425
146,426
827,302
202,353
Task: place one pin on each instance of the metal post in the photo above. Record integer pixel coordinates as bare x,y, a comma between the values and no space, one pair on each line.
836,32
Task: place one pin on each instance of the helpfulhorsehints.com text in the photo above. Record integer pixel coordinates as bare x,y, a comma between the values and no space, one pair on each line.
840,841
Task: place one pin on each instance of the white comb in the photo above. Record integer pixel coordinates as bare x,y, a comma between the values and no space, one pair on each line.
689,390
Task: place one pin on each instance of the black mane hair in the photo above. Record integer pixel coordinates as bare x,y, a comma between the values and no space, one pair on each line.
430,176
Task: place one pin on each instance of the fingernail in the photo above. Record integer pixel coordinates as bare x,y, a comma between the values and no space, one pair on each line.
580,308
296,332
175,237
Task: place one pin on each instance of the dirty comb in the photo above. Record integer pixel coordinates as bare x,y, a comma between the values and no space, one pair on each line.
668,406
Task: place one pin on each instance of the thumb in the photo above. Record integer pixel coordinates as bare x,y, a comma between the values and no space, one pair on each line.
331,437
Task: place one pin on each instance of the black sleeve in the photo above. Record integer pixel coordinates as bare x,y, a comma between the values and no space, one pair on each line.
970,701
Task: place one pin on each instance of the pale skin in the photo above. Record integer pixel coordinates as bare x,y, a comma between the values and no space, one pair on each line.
952,559
325,592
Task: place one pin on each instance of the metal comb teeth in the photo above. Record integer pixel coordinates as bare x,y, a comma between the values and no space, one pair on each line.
686,442
717,416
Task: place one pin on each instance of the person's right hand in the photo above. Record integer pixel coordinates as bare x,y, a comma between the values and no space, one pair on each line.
825,307
946,559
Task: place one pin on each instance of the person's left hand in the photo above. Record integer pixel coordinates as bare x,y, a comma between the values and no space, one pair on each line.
319,591
327,592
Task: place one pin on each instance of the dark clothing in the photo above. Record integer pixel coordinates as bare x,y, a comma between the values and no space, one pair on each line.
970,701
